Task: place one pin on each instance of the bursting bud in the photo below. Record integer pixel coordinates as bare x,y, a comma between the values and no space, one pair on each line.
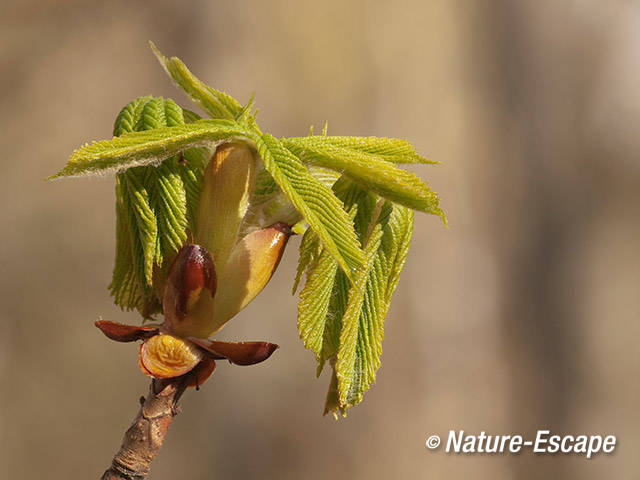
211,280
244,257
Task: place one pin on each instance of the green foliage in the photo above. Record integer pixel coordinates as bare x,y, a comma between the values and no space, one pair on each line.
343,322
357,202
394,150
374,172
314,200
153,204
148,147
215,103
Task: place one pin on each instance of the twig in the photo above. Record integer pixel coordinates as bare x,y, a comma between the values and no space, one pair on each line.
143,440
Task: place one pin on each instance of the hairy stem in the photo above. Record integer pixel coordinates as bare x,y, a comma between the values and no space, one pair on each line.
144,438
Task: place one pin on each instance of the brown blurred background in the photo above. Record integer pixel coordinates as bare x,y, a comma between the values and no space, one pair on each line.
524,315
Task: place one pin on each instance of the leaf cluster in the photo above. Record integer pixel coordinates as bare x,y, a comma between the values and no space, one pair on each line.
350,191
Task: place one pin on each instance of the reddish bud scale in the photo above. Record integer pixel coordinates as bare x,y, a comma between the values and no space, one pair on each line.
125,333
240,353
192,271
202,372
163,355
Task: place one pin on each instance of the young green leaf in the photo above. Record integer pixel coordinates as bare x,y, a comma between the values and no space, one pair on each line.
164,183
216,103
193,162
373,172
314,200
324,296
341,321
129,116
362,332
152,205
125,287
395,150
148,147
315,298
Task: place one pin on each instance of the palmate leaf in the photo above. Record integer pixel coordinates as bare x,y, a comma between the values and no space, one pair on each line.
343,322
372,171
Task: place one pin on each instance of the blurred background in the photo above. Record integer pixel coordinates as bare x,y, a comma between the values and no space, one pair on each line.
524,315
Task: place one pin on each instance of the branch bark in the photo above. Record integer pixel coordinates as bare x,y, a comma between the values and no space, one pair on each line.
143,440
